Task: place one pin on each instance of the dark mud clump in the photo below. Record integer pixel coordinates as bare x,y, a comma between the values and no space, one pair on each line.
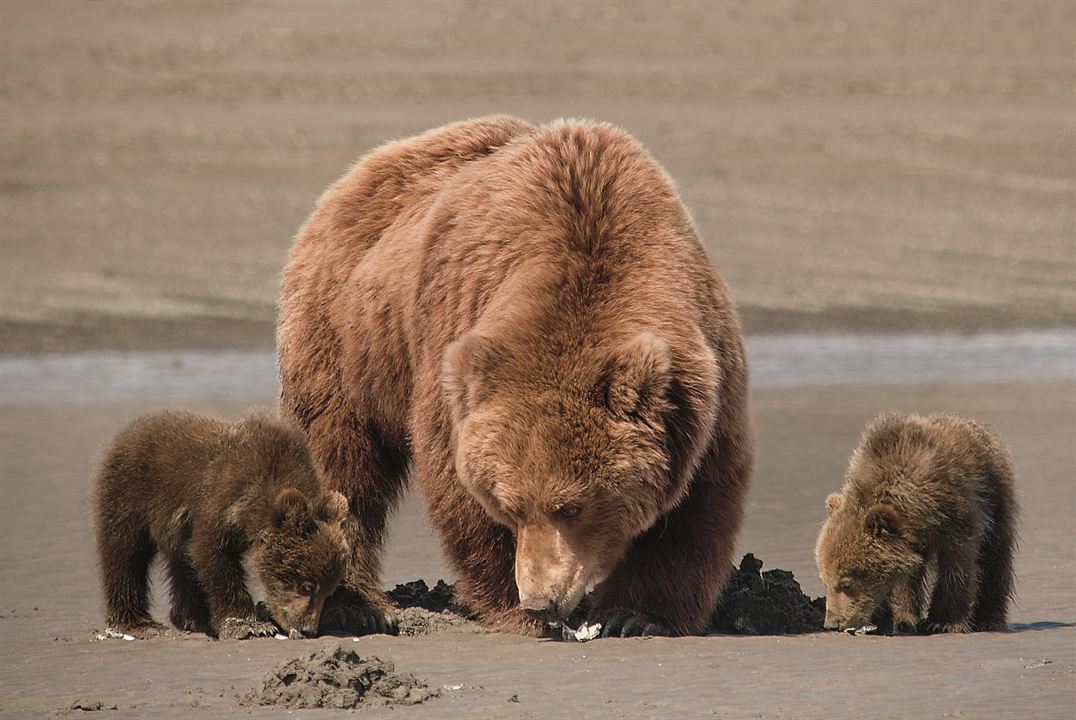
423,611
765,603
418,594
337,679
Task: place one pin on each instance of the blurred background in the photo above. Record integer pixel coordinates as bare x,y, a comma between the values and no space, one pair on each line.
851,165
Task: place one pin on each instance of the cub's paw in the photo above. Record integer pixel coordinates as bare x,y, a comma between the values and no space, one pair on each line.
234,628
935,627
992,626
345,616
141,631
629,623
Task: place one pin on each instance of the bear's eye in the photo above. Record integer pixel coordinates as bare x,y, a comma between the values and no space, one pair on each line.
844,586
567,512
306,589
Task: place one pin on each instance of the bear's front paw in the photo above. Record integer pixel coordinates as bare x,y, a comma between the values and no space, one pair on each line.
351,618
629,623
934,627
234,628
141,631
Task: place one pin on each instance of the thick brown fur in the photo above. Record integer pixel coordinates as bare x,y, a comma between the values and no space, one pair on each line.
203,493
923,495
524,316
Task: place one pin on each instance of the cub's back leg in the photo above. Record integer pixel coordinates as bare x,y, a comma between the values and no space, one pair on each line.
997,575
126,551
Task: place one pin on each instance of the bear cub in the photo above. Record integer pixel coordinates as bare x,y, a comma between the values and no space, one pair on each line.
205,494
923,496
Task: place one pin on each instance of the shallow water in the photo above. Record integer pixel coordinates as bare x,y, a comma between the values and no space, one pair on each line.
776,361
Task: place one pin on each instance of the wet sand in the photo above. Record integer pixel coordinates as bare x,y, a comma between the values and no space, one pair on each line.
851,166
50,606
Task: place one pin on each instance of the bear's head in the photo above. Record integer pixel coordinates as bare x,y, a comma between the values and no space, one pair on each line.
861,553
569,451
301,557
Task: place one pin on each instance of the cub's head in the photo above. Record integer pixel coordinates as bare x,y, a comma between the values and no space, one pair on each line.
302,556
571,453
861,553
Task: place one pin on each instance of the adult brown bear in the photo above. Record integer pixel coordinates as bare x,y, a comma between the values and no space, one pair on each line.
523,316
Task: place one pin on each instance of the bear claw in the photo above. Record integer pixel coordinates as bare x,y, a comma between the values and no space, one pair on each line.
233,628
933,627
625,623
356,619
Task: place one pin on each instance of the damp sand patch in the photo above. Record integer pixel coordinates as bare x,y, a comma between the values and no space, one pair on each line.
339,679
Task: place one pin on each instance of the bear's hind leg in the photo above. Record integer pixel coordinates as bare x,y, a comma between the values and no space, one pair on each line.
998,578
954,593
125,561
190,607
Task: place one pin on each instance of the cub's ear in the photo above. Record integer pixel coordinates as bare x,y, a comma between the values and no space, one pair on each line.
334,507
467,362
834,503
883,522
290,508
638,376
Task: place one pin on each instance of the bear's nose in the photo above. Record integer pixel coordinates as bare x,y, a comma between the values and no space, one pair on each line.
542,609
830,625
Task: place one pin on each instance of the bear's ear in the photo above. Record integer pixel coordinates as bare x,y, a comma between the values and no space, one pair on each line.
638,376
883,522
834,503
334,507
467,362
290,508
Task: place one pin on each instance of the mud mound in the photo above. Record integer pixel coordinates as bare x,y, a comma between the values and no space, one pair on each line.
765,603
423,611
337,679
753,603
418,594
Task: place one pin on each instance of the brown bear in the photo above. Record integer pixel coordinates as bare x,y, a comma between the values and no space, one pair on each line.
922,494
525,319
203,493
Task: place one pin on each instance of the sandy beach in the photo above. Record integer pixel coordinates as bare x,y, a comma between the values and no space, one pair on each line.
851,166
887,187
50,608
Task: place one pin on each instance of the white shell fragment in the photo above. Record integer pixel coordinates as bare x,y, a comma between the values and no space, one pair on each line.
865,630
584,633
116,634
278,636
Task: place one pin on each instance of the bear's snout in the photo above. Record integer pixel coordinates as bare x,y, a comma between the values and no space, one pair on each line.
550,577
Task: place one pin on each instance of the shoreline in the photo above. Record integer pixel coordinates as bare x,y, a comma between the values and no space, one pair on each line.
85,332
775,361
